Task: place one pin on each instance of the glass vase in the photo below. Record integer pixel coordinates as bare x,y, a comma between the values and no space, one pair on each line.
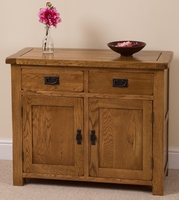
47,42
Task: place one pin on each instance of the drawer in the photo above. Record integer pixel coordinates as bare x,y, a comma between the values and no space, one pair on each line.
121,82
52,80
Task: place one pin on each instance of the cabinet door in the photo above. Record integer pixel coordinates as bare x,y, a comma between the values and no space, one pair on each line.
50,128
123,133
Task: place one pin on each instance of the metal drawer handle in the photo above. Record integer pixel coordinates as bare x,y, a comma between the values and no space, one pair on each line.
120,82
78,137
51,80
93,137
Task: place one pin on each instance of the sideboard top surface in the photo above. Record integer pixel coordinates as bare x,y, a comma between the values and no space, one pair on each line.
97,58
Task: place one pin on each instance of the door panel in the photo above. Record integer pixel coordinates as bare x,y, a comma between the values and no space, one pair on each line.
49,129
123,130
120,134
55,138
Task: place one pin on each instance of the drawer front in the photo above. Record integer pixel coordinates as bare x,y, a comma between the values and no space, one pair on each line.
52,80
121,83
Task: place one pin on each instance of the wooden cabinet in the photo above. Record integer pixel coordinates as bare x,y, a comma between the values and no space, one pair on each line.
91,115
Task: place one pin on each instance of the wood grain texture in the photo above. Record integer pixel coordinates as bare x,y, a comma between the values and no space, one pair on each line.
138,83
16,125
158,137
124,138
102,58
50,126
69,80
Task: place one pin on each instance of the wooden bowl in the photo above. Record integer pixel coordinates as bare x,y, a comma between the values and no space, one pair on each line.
135,47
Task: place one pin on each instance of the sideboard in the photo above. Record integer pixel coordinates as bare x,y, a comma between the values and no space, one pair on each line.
90,115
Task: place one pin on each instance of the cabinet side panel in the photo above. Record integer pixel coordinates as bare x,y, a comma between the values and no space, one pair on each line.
166,111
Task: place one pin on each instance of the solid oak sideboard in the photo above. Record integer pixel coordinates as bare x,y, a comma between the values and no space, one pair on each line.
91,115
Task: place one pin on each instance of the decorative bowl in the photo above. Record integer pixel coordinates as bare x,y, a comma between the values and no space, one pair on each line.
126,48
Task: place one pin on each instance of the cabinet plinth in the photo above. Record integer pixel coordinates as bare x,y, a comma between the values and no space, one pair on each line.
91,115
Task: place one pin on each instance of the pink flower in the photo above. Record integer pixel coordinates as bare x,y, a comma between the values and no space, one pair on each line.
49,15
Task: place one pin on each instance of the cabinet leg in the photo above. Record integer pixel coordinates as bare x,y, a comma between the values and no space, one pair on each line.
18,182
158,189
18,179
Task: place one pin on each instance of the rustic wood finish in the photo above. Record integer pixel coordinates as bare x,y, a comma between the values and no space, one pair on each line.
53,124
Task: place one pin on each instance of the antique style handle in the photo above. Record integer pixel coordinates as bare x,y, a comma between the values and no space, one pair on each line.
120,82
79,137
51,80
93,137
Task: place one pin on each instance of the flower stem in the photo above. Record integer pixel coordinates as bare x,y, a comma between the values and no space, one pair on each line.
46,36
